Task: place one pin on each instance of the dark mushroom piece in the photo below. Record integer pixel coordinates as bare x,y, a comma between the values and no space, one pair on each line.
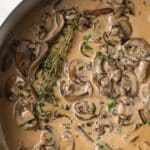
138,48
84,110
71,14
98,12
24,116
125,115
58,24
108,87
74,92
119,33
129,85
28,55
145,113
78,71
67,141
14,87
85,22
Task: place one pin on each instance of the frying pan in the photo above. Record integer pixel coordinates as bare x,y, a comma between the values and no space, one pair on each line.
5,30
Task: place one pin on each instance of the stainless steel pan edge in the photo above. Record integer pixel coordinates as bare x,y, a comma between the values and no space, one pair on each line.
19,12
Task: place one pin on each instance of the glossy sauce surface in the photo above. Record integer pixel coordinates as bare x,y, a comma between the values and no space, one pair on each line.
121,137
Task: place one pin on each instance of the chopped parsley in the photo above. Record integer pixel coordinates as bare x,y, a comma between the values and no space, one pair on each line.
81,68
112,105
88,47
99,54
53,100
87,38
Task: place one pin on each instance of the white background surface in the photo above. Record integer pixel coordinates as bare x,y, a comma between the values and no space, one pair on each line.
6,6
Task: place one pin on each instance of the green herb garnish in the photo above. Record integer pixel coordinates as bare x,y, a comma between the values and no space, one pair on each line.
52,66
53,99
112,105
88,47
87,38
81,68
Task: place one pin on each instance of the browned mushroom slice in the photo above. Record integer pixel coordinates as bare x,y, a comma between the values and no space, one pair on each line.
125,115
28,54
85,22
145,92
71,14
142,71
33,67
84,110
58,23
67,141
119,32
14,87
107,87
74,91
43,110
78,71
24,116
129,7
92,130
138,48
97,12
145,113
129,85
48,141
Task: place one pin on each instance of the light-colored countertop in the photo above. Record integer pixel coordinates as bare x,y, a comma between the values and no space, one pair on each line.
6,7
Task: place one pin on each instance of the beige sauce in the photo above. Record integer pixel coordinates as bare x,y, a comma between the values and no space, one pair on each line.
120,136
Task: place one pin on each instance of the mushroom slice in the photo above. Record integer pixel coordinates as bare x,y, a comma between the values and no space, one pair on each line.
43,110
98,63
14,87
74,91
138,48
145,113
67,141
125,115
92,130
28,54
24,116
129,85
97,12
145,92
119,32
48,140
84,110
71,14
116,75
58,21
142,71
101,146
77,71
107,87
84,22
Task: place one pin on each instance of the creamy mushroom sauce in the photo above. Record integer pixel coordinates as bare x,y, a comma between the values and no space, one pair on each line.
77,77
